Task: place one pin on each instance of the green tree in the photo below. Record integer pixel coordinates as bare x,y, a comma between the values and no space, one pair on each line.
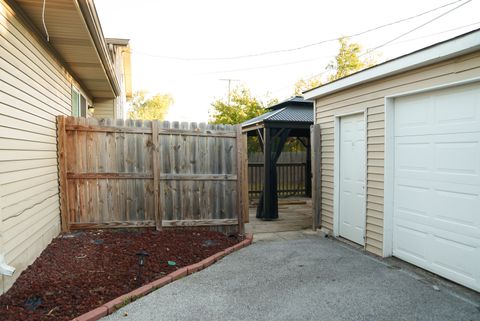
154,107
243,106
349,60
303,85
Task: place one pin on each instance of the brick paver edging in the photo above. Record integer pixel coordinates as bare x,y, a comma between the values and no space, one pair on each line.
115,304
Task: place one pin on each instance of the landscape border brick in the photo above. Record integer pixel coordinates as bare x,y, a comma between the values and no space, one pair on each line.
117,303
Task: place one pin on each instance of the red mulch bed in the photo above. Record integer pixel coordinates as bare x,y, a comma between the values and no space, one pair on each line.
80,271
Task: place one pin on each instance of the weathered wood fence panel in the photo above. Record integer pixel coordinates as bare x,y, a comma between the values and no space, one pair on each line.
291,168
316,155
150,173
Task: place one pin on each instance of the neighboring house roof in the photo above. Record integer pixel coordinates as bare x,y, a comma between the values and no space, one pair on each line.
451,48
76,37
292,110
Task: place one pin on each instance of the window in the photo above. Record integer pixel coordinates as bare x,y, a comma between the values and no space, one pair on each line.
79,103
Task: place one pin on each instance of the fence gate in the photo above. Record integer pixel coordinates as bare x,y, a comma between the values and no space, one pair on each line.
127,173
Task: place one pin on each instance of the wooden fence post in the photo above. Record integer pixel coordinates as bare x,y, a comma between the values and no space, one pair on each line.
156,176
316,175
62,172
246,217
240,180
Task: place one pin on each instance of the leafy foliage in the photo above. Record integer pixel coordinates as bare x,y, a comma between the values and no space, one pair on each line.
243,106
349,60
154,107
305,84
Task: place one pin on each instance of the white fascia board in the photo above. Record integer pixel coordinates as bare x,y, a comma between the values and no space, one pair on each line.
442,51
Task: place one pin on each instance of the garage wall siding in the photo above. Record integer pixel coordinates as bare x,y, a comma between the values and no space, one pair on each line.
370,99
34,88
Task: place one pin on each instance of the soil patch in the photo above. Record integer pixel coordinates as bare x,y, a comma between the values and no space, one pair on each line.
80,271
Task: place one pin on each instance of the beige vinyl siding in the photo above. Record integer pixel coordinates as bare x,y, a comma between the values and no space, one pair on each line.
370,98
34,88
104,109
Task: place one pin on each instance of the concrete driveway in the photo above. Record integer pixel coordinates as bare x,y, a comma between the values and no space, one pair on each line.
304,279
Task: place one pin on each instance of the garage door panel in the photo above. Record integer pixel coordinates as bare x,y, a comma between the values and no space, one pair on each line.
436,214
415,117
414,156
454,259
457,107
455,110
457,159
458,208
410,201
410,244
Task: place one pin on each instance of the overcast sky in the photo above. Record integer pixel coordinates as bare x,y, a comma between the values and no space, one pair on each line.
185,29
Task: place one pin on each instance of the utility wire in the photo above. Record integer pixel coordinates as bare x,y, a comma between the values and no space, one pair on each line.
433,34
322,57
300,47
307,78
416,28
369,51
43,21
263,66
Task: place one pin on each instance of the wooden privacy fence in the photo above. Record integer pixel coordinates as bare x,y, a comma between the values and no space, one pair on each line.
151,173
291,167
290,179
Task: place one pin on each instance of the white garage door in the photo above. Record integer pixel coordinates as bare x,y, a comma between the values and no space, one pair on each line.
437,182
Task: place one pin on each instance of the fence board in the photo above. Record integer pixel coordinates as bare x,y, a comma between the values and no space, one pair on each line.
150,173
315,139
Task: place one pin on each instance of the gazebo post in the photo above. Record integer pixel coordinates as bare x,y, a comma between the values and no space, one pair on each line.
267,155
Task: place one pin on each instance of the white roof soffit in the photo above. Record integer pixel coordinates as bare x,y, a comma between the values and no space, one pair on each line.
451,48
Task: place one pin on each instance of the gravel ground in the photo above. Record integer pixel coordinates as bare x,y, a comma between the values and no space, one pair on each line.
306,279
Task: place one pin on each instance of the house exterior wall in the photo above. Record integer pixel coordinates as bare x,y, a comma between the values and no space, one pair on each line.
114,108
34,88
104,108
370,99
120,104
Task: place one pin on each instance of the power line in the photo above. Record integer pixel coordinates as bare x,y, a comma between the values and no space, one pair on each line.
369,51
434,34
416,28
263,66
393,43
318,58
300,47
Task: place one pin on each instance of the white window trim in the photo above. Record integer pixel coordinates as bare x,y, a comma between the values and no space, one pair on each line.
75,89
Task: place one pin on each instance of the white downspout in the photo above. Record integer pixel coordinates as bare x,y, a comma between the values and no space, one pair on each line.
5,269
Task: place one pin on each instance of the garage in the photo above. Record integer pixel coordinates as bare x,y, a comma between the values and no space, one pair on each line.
436,201
417,168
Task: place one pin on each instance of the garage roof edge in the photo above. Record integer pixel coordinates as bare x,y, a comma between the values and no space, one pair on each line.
460,45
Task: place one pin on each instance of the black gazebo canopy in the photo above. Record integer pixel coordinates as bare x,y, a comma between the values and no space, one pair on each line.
290,118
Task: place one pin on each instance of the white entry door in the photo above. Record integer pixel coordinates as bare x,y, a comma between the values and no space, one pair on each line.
351,210
437,182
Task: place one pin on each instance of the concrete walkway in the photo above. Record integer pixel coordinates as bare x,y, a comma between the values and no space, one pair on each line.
306,278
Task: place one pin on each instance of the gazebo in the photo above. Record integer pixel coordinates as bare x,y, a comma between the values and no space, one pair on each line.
290,118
